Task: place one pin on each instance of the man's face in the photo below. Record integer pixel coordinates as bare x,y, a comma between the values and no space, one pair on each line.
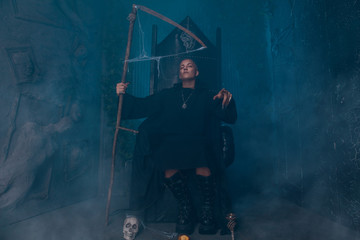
188,70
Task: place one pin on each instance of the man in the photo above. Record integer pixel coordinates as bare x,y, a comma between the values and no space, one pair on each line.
180,139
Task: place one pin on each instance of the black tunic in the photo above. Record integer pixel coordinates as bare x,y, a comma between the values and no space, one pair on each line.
179,138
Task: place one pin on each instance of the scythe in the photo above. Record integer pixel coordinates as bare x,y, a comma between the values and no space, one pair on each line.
132,18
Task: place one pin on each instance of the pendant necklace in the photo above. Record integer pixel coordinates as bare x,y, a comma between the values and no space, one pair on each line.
184,105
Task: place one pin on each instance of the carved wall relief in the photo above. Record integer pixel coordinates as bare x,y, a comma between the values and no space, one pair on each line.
23,63
80,52
77,159
48,147
39,11
28,161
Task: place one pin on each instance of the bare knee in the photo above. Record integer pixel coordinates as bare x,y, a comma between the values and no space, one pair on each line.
170,172
203,171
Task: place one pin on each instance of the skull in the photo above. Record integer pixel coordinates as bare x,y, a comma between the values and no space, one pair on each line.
131,227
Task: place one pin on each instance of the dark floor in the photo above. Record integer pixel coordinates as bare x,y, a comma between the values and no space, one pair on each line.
261,219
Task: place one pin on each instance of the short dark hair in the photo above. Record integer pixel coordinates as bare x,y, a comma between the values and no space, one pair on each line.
189,58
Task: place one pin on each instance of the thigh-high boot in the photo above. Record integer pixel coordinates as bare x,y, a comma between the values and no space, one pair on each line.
180,190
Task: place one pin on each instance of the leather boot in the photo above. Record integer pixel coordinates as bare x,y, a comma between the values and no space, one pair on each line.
180,190
207,216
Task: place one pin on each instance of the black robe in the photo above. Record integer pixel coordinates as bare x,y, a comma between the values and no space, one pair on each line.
172,137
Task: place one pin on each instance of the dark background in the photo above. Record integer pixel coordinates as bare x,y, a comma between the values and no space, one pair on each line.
293,68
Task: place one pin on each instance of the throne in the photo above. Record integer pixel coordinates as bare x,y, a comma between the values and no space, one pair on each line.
164,74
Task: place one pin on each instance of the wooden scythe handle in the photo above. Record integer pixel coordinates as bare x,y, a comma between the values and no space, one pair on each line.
132,18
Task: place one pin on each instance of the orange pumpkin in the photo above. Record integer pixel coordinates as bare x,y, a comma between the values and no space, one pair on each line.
183,237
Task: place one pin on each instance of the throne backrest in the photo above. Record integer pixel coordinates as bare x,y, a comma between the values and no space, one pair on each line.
164,74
